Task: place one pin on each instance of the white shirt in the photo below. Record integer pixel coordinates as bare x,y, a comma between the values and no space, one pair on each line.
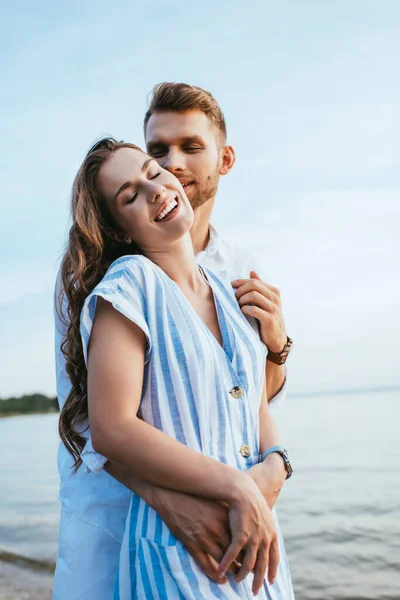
94,505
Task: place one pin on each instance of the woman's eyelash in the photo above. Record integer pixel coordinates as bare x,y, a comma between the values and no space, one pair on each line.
130,200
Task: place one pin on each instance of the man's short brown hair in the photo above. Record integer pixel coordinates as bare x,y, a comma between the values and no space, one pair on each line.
181,97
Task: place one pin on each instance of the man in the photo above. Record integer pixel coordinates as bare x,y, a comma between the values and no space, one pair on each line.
185,132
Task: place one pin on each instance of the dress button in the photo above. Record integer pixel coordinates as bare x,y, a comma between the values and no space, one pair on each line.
245,451
236,392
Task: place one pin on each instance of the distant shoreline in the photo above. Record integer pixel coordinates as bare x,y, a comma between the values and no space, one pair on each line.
28,404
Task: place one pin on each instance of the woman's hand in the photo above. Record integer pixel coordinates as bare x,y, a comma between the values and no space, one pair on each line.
270,475
254,535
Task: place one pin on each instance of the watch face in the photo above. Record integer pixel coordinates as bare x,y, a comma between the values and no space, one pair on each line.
289,467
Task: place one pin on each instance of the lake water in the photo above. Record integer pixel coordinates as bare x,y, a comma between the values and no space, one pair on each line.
340,512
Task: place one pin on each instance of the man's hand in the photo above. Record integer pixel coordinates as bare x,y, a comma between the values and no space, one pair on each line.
262,301
201,525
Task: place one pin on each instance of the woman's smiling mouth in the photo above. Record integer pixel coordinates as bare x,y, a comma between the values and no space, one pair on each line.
168,209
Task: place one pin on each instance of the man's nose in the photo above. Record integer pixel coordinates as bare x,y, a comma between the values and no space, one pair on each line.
174,161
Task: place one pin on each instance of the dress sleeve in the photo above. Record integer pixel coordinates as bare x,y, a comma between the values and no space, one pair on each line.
121,287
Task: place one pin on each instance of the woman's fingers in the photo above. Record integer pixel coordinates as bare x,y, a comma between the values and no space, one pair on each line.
273,559
260,568
230,555
248,562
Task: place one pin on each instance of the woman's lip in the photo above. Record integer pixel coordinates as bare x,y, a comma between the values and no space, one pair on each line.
172,213
164,206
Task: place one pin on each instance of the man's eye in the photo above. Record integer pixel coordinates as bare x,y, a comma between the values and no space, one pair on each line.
192,148
158,152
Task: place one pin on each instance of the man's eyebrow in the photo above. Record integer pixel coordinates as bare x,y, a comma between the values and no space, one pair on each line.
185,140
193,138
129,183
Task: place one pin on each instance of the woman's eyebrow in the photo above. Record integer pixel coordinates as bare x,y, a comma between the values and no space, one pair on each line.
129,183
146,164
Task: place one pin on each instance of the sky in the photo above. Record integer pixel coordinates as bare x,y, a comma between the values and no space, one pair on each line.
311,99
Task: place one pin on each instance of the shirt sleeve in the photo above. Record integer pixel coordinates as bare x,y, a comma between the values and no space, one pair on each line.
253,263
122,288
63,384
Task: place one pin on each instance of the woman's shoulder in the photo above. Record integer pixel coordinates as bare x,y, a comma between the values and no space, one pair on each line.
128,275
134,263
131,269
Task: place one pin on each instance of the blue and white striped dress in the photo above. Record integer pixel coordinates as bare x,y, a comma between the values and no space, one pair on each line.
186,393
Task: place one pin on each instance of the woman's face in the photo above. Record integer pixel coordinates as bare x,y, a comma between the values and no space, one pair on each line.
147,202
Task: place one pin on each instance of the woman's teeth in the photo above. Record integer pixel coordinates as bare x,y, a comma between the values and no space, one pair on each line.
170,206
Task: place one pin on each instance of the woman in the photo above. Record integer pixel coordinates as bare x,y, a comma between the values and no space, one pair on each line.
169,372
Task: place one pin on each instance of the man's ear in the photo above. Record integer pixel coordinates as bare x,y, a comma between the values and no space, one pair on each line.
228,158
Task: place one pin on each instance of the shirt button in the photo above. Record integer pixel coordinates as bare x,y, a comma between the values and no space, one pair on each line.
236,392
245,451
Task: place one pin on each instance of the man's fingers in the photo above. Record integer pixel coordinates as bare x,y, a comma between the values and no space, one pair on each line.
256,299
253,311
260,569
254,275
214,550
273,560
253,285
248,563
209,566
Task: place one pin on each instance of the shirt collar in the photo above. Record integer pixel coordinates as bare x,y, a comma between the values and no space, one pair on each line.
214,242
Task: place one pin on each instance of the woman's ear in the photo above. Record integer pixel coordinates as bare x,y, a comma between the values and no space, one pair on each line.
228,159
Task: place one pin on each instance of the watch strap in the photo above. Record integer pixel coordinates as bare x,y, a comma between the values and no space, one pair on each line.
283,453
279,358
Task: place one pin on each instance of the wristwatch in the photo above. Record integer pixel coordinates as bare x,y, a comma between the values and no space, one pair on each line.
279,358
282,452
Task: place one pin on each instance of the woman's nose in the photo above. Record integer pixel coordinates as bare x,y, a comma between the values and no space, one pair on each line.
156,192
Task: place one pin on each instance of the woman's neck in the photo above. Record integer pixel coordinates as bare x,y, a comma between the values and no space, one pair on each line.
179,263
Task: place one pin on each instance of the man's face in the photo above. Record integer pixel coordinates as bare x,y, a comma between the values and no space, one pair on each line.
188,145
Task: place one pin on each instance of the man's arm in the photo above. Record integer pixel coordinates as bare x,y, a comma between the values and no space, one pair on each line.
201,525
275,378
262,301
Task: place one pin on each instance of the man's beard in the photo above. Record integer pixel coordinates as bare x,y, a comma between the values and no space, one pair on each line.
206,191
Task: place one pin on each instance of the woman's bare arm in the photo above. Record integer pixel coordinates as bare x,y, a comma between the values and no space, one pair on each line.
115,380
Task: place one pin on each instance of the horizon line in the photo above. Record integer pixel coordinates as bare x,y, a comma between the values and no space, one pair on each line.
343,391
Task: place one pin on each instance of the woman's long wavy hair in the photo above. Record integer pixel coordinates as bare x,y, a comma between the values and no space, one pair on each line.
94,242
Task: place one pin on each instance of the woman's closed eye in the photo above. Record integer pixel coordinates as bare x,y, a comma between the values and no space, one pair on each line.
131,199
134,196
